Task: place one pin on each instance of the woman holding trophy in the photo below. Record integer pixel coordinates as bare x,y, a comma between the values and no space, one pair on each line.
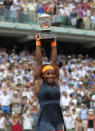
46,84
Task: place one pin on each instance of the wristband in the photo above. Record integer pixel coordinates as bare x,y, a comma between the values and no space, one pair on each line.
38,43
53,43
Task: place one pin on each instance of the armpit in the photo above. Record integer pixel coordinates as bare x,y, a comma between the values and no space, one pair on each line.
37,85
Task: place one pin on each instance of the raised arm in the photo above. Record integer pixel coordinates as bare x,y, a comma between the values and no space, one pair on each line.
39,58
54,58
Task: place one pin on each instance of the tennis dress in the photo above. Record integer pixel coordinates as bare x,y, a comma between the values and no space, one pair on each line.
50,116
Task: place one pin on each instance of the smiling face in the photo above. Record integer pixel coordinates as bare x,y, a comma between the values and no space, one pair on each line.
49,76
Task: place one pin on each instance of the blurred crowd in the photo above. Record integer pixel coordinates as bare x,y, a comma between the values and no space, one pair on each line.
19,107
75,13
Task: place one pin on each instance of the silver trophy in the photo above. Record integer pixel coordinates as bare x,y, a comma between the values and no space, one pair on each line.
45,22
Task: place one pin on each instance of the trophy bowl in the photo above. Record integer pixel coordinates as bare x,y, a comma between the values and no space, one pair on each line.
45,22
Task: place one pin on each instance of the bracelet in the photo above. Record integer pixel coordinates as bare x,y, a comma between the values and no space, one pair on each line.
53,43
38,43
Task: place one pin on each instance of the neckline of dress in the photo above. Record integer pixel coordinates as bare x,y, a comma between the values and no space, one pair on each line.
52,86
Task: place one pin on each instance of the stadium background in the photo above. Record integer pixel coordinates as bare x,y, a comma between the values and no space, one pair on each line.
68,43
18,36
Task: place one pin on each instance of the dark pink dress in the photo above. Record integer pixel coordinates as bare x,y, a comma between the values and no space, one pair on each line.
16,127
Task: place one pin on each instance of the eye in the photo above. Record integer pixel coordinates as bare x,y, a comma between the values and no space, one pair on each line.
53,73
48,73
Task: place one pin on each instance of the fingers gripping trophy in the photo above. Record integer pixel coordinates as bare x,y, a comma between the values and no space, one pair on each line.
45,22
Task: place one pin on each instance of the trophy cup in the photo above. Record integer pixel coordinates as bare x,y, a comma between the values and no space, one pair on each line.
45,22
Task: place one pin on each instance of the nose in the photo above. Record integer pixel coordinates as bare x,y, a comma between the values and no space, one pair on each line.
50,75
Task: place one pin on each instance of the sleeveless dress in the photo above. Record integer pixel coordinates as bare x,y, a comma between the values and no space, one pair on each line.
50,116
91,123
16,127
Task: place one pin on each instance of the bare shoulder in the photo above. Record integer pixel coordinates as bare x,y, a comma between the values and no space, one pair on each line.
37,84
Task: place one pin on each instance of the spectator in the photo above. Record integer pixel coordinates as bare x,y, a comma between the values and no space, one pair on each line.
2,122
74,116
91,3
85,81
27,105
17,5
70,89
86,99
81,71
81,86
93,21
71,106
24,102
5,101
79,125
8,121
90,120
74,100
16,123
73,16
83,112
85,5
77,1
79,16
86,22
27,121
35,113
65,99
31,8
40,8
13,13
1,11
16,103
28,92
92,102
68,121
7,4
24,12
63,86
67,14
15,10
67,110
47,7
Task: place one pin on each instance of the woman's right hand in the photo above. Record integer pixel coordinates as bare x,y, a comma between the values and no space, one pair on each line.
37,37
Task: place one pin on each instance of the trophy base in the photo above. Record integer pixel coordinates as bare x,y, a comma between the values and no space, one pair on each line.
47,35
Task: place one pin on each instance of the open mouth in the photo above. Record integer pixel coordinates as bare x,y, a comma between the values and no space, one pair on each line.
50,80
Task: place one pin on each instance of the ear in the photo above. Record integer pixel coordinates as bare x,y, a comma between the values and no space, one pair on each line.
43,75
